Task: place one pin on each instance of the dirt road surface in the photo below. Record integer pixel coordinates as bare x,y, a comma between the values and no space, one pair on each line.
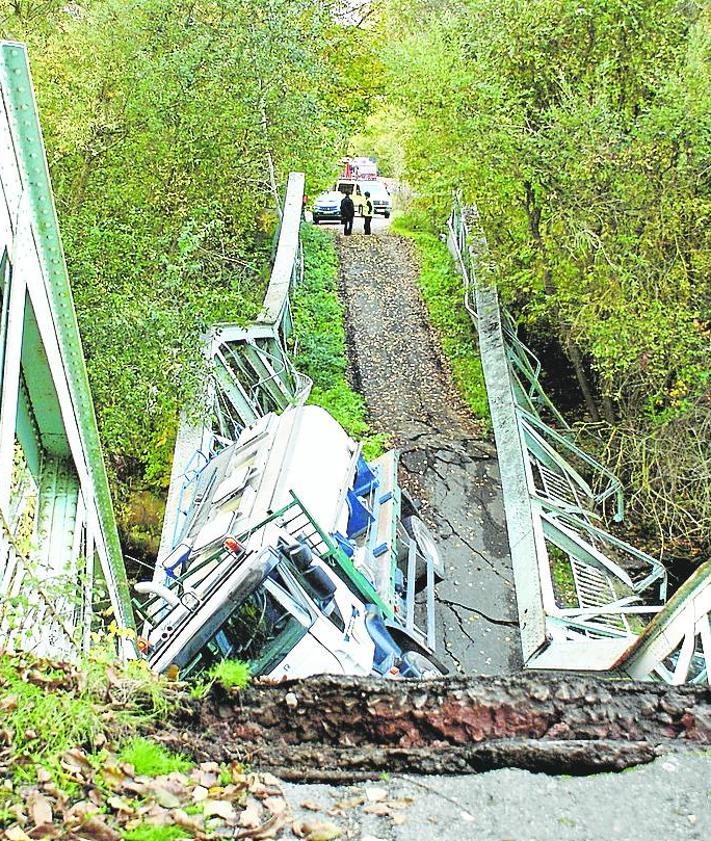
397,365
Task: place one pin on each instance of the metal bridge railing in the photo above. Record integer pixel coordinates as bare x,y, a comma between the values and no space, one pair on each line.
252,372
48,431
584,596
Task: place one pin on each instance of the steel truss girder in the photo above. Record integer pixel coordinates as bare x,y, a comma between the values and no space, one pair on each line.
45,403
676,644
252,372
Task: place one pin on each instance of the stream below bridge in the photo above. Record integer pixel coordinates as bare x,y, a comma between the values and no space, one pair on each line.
396,363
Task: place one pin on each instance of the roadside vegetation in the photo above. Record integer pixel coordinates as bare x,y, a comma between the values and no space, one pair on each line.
170,128
583,132
442,291
83,756
320,335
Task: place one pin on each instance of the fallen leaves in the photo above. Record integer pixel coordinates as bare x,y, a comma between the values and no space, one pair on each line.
16,834
39,809
212,802
316,830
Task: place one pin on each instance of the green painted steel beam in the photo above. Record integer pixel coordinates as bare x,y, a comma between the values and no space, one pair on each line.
31,152
41,390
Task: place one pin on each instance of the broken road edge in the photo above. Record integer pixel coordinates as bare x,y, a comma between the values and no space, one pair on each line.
335,729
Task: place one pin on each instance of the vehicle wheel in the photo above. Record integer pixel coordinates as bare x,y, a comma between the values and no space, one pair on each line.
426,544
315,220
387,215
423,665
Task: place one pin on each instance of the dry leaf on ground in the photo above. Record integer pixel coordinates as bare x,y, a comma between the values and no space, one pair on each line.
39,809
316,830
15,833
375,794
219,808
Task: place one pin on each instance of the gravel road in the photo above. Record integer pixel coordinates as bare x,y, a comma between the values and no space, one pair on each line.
397,365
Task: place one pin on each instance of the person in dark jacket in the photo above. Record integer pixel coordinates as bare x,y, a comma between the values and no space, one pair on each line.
347,214
367,213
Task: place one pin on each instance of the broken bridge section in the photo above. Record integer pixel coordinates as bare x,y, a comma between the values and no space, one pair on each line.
397,365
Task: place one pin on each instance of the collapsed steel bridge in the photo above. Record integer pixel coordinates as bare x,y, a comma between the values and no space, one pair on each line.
587,600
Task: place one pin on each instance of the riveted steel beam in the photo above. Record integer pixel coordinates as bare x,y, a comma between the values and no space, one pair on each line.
43,369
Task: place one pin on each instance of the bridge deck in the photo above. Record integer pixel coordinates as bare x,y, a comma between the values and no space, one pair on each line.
395,359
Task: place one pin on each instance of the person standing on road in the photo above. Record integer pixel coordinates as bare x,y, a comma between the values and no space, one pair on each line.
367,213
347,214
358,200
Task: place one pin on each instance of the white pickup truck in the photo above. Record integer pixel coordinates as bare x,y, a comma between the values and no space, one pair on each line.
299,557
379,194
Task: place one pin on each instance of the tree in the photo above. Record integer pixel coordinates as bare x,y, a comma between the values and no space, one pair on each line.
582,131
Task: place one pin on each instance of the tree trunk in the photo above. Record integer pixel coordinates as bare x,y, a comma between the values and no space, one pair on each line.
608,410
577,359
331,728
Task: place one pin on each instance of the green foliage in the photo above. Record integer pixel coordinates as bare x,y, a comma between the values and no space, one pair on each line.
228,673
375,445
28,707
149,832
443,293
583,132
150,759
50,708
562,574
231,674
164,123
321,340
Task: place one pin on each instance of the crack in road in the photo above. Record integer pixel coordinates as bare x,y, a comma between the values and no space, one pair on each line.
397,363
508,623
453,655
473,549
460,622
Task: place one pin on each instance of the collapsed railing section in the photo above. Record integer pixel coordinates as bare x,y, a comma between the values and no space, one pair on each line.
251,373
584,596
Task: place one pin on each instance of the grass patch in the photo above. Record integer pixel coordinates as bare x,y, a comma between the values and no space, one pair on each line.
319,329
228,673
46,711
442,290
53,712
148,832
231,673
150,759
49,708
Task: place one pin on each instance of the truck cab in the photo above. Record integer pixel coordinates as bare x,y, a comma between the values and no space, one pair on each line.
298,556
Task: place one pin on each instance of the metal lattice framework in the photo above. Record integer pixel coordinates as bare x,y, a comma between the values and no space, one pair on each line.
251,373
588,601
59,548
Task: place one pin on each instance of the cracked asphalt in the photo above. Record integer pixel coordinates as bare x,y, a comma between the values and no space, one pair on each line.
668,799
396,363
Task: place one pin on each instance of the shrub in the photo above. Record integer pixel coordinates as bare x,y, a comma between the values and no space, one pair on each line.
150,759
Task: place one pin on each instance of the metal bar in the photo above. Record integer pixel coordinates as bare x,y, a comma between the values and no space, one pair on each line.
431,640
355,576
411,571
